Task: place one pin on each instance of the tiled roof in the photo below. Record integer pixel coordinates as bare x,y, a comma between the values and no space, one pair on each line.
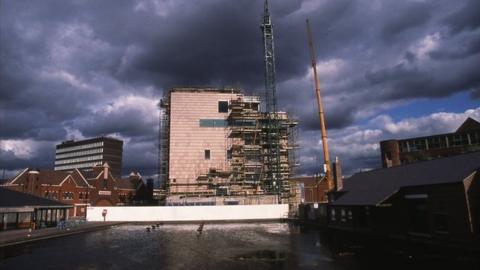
50,177
79,178
44,177
373,187
89,173
11,198
468,125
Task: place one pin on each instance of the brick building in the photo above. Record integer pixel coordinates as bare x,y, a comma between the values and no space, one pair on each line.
435,202
96,187
465,139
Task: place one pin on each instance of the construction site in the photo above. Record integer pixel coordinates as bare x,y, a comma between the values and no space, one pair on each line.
221,149
218,146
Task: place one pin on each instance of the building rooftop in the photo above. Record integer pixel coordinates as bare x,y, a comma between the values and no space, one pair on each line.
89,173
69,143
51,177
206,89
11,198
469,125
374,187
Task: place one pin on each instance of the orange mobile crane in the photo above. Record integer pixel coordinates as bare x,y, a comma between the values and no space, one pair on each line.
326,156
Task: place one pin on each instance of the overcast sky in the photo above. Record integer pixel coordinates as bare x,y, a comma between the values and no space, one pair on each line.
388,69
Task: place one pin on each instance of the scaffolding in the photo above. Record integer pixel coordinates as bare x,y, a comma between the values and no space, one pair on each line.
245,133
251,160
164,140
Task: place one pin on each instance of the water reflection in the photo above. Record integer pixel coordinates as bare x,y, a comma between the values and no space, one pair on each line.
218,246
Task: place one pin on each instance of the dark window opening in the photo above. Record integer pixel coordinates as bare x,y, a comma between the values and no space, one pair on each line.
418,214
223,106
362,217
207,154
440,222
213,123
105,185
229,154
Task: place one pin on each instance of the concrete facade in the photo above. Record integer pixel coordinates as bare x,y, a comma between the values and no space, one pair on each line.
85,154
190,140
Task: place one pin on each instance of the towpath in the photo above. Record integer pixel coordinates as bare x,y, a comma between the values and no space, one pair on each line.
15,237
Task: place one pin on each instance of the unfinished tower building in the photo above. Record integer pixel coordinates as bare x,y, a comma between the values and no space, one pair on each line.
215,148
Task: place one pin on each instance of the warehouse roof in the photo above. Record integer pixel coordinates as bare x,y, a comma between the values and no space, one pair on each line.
373,187
10,198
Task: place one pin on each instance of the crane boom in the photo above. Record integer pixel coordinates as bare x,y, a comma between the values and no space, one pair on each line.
326,156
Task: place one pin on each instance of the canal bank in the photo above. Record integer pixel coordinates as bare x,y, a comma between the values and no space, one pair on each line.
17,237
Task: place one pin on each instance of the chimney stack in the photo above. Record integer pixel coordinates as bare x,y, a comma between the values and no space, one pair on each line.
32,180
337,175
105,170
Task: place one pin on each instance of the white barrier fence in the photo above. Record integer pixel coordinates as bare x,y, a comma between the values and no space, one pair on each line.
188,213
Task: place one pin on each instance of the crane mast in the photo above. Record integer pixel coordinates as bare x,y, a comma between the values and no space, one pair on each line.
326,156
273,176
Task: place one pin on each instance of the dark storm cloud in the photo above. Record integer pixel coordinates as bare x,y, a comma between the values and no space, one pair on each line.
408,15
89,68
466,18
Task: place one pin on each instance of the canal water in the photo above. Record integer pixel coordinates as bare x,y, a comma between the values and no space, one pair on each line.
217,246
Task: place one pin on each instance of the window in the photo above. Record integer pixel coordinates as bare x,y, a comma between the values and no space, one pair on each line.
343,215
404,147
417,145
436,142
332,215
459,140
223,106
475,137
229,154
105,184
213,123
207,154
68,196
